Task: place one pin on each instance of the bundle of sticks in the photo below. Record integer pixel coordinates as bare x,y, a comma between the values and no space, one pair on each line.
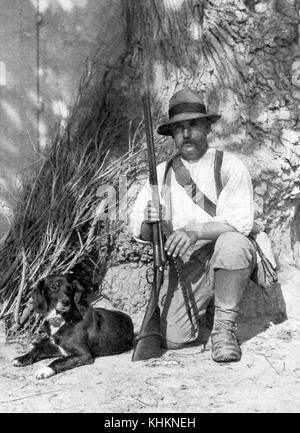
56,225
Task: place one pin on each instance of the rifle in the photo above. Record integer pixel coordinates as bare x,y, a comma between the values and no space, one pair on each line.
149,339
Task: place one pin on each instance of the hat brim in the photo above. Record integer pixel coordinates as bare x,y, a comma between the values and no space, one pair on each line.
165,128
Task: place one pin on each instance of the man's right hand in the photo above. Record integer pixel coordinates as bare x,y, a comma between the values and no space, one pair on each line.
151,216
151,213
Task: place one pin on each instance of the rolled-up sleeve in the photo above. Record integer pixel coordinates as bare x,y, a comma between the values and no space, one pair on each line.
235,205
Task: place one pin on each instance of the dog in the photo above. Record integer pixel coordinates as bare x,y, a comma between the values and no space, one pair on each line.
77,333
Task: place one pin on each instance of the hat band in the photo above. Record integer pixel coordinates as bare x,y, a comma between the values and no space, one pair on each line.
186,107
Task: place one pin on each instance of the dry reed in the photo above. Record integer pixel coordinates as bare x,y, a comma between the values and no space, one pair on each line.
56,227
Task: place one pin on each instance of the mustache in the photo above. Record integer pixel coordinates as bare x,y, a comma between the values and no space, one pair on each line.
190,141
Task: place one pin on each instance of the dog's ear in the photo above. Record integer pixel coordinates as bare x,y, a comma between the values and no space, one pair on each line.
38,297
80,296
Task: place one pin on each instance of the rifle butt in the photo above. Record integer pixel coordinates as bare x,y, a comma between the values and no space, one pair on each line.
149,339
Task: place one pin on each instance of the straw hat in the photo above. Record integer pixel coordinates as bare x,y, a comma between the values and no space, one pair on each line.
185,105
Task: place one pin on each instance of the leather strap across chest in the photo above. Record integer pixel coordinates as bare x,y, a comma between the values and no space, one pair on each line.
184,179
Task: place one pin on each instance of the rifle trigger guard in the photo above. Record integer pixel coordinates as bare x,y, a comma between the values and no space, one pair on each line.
150,275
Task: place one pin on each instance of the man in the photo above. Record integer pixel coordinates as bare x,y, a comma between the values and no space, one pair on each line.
215,219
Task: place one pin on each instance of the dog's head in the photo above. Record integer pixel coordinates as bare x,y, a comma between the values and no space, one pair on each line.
59,295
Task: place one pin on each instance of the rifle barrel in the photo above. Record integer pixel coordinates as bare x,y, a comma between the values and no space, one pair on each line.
150,147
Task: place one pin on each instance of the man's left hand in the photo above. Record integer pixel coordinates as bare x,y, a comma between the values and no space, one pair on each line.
179,242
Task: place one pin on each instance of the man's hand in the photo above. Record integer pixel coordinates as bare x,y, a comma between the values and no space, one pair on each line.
151,216
179,242
151,213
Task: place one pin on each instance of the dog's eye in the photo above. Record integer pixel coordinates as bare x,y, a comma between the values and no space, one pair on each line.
54,287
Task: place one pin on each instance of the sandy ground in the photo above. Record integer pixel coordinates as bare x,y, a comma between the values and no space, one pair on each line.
266,380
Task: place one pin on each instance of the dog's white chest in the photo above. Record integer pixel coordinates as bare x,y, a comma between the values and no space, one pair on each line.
55,321
54,329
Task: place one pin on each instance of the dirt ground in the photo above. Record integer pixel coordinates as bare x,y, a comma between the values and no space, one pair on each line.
266,380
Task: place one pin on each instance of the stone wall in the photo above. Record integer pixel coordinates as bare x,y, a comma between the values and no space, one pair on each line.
274,128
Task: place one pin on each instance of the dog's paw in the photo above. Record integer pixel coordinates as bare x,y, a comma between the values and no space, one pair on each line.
22,361
44,373
17,363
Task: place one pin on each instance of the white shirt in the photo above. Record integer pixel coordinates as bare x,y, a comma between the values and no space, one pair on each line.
235,205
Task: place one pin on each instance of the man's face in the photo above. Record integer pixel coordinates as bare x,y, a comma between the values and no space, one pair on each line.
190,138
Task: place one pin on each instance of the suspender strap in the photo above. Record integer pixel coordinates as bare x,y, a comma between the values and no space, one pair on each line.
217,167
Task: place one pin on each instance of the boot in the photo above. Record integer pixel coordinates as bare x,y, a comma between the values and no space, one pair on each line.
230,286
225,346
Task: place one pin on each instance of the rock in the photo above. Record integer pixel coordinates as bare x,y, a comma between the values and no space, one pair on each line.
261,189
283,114
2,332
263,117
258,205
296,73
296,94
295,192
241,17
261,8
290,136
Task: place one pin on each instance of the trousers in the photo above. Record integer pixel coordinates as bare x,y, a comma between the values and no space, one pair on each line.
232,251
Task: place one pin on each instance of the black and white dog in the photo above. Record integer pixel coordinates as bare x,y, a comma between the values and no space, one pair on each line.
77,333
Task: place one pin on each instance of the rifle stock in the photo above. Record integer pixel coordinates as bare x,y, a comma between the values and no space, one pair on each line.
149,339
